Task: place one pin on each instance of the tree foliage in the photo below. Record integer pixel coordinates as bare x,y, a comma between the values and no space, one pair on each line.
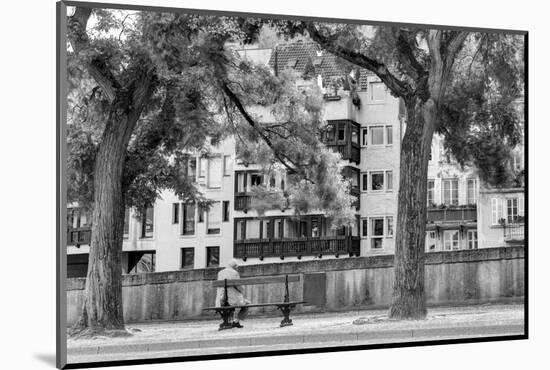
203,93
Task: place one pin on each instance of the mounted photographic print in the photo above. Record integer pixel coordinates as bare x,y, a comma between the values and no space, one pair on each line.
233,183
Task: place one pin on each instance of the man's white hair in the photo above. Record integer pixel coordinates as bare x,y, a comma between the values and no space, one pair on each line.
232,263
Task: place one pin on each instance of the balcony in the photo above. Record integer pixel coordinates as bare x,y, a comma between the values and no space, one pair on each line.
243,202
452,214
514,232
328,245
79,236
342,136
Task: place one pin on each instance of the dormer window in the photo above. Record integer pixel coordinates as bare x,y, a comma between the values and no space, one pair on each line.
292,63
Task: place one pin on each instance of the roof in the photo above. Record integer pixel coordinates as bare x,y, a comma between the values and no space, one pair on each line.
308,56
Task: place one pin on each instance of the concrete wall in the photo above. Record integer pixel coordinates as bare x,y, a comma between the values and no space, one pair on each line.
451,277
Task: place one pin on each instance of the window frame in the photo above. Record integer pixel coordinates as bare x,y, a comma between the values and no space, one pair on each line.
218,230
182,257
209,250
184,218
451,240
451,191
175,213
371,95
474,190
144,234
472,239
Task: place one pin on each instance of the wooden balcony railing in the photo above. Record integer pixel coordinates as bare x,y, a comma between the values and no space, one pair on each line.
327,245
349,151
243,201
452,214
514,232
79,236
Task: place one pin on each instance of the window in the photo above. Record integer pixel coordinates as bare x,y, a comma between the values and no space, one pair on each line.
240,229
188,224
389,226
377,181
450,192
278,228
192,169
227,165
241,182
354,135
187,258
431,192
225,211
126,222
450,240
272,180
141,262
472,239
377,229
203,165
365,136
215,172
282,183
389,135
213,219
512,210
377,135
315,232
212,256
377,92
255,179
201,214
389,180
341,132
330,135
175,213
497,210
471,193
365,226
147,223
365,182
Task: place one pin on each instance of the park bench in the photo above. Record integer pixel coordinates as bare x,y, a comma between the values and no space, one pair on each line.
226,311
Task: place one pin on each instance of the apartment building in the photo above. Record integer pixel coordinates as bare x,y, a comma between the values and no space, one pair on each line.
365,125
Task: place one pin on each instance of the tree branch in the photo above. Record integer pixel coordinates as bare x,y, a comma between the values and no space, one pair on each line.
404,41
454,46
80,42
396,86
231,95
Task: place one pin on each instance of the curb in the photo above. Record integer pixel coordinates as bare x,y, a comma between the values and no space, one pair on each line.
348,338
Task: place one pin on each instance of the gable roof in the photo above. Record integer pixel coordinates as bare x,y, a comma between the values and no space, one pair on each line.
308,56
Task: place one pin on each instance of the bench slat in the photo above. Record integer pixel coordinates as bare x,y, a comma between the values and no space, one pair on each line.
258,305
256,281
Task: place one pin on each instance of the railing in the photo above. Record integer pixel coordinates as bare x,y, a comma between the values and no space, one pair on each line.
514,232
297,247
348,151
452,214
242,202
79,236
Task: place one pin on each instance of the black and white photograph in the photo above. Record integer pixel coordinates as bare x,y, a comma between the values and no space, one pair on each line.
241,184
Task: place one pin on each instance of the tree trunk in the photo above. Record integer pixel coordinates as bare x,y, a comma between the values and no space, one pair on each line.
408,301
102,306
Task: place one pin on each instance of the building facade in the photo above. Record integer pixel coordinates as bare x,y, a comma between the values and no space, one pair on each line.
365,125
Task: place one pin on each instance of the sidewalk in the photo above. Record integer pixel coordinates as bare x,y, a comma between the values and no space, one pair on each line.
153,340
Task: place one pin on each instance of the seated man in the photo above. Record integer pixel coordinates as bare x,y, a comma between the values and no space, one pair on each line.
235,295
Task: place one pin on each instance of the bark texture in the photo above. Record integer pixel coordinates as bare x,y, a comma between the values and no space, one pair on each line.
408,300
